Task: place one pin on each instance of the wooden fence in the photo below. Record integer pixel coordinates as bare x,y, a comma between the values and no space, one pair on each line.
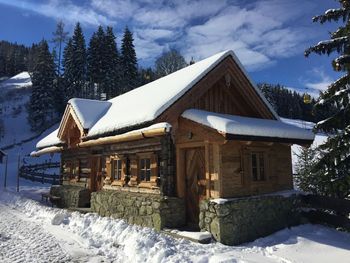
36,173
327,210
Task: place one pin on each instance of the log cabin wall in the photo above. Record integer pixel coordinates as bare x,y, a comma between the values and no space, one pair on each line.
229,163
237,164
77,165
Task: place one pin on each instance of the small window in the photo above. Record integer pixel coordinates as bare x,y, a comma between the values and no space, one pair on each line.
258,166
117,170
145,169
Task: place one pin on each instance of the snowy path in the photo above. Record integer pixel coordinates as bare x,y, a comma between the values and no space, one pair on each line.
31,232
24,241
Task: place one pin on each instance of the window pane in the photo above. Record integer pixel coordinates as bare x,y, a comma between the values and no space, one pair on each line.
262,166
142,175
148,175
254,167
142,163
148,163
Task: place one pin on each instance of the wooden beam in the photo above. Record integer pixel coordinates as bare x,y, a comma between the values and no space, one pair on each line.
129,136
266,139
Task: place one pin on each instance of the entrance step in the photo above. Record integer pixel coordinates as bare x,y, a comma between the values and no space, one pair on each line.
199,237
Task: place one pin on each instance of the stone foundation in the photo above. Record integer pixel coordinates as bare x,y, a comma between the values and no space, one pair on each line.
150,210
239,220
71,196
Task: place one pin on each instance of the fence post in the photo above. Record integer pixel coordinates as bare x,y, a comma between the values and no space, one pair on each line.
5,178
18,171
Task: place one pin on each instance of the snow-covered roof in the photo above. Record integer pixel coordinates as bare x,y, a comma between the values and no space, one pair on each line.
89,111
144,104
147,102
245,126
49,140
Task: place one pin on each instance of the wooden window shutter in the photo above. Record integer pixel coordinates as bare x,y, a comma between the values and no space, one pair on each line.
109,167
154,168
124,168
133,171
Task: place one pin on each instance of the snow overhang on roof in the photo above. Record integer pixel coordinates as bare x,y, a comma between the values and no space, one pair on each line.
245,128
89,111
49,140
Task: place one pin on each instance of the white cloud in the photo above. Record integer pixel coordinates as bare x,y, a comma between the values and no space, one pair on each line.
323,80
317,81
64,10
260,32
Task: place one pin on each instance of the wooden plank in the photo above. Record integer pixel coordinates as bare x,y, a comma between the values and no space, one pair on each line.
207,169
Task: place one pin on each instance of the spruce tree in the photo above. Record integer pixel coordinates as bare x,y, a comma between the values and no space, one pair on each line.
96,59
128,62
41,104
79,59
74,60
68,66
334,160
111,82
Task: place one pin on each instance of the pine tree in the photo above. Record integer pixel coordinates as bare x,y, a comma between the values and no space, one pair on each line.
96,59
75,64
304,177
112,78
334,161
68,66
128,62
41,104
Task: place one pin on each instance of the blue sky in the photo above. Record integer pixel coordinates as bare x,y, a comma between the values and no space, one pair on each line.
268,36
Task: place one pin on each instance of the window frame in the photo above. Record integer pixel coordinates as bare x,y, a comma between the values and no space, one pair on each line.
260,159
120,181
153,170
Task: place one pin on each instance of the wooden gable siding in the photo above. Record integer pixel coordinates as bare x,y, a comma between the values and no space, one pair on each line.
211,94
68,118
227,100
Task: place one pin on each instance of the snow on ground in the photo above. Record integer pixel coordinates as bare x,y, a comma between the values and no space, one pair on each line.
14,96
21,80
32,232
23,152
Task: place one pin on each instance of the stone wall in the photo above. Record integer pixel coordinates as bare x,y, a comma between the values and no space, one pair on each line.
239,220
167,170
71,196
150,210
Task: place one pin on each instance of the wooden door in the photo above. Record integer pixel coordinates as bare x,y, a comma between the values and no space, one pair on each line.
195,182
96,174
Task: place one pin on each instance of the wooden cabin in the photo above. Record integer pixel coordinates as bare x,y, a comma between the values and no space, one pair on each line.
200,133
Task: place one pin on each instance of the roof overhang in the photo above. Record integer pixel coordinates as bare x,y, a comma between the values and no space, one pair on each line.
237,137
240,128
52,149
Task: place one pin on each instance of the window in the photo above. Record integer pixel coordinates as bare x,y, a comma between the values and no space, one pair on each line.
117,170
145,169
258,166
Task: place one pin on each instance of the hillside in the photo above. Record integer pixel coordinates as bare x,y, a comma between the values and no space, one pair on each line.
16,137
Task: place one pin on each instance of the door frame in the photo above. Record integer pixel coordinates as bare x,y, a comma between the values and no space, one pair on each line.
181,166
95,168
